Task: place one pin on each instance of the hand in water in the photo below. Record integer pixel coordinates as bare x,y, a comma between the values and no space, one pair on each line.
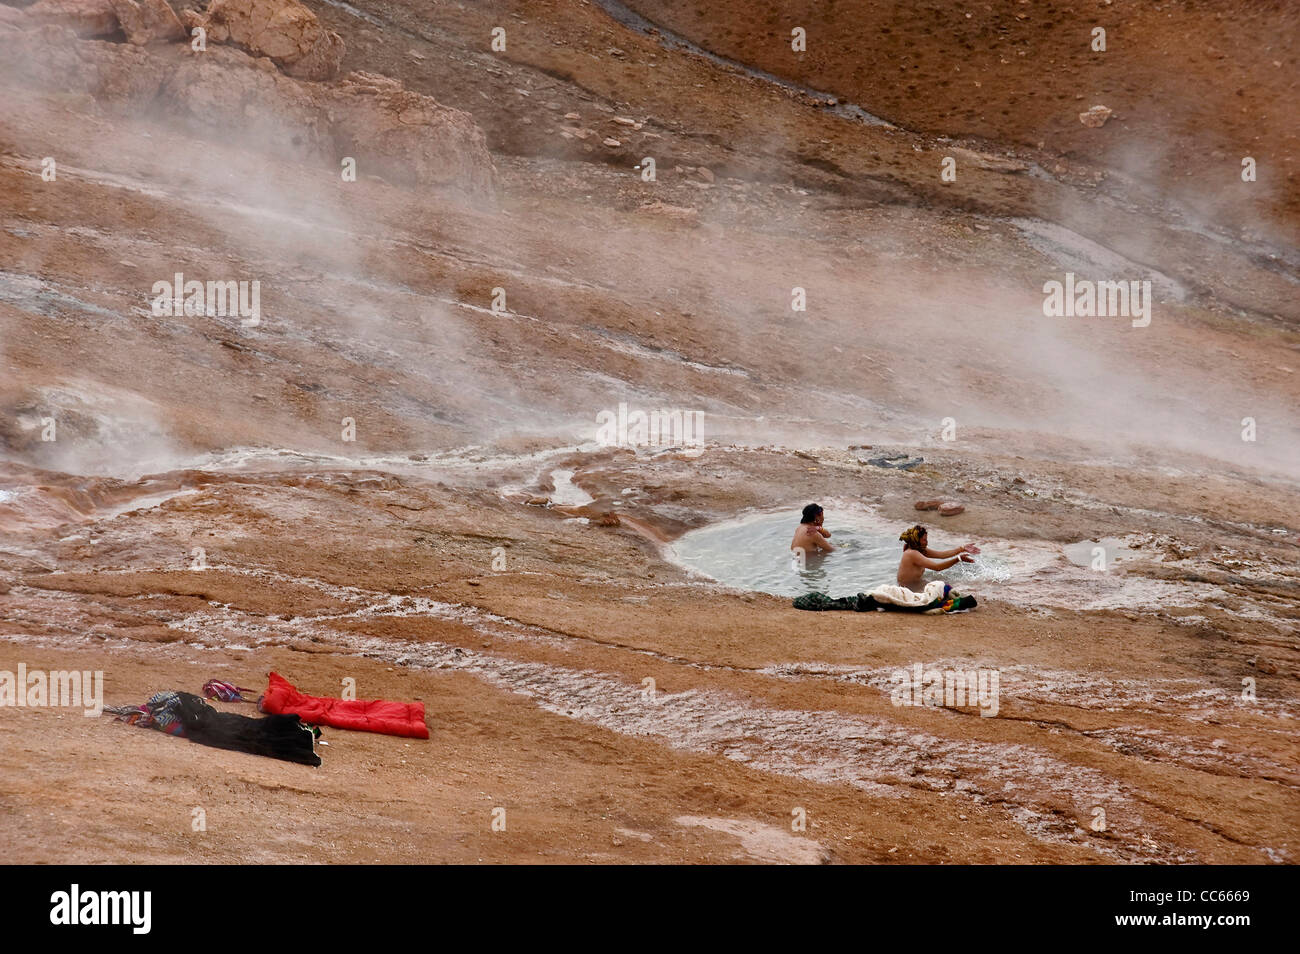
971,548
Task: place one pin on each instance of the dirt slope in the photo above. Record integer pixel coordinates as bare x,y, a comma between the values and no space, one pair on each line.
393,476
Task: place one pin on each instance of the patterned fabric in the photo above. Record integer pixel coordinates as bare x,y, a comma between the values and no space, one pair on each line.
161,712
225,691
957,604
911,537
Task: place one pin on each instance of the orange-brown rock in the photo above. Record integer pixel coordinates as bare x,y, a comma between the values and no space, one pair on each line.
147,21
401,134
676,212
284,30
86,18
226,94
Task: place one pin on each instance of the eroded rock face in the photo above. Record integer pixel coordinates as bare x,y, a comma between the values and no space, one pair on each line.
284,30
394,132
86,18
147,21
227,95
51,58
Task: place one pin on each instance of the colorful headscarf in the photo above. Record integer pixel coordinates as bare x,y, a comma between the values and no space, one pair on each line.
912,537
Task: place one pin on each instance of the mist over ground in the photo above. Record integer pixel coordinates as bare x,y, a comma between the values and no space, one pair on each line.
841,266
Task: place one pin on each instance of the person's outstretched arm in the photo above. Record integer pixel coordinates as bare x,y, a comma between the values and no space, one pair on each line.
943,563
955,551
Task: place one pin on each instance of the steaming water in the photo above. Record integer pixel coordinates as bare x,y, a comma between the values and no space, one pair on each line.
567,493
754,554
1084,553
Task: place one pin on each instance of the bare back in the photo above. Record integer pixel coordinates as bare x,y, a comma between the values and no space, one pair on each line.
809,539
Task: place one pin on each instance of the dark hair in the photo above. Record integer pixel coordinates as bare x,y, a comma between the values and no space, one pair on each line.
810,513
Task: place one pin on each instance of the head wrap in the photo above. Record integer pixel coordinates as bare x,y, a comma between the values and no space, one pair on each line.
912,537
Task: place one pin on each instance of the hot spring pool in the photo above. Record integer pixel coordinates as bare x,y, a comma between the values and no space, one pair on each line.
753,553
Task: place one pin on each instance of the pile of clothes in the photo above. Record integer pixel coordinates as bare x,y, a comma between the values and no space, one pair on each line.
937,597
183,713
288,731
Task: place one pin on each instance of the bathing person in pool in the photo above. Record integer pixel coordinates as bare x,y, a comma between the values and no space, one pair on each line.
918,557
810,537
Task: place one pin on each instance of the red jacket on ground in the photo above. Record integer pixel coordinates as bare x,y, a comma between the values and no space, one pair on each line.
363,715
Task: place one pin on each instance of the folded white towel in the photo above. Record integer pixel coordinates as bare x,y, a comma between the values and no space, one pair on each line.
902,596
